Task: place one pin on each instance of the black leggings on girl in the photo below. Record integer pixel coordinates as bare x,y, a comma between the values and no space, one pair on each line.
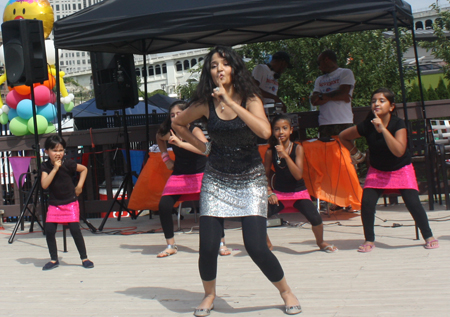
74,227
305,206
412,202
165,215
254,231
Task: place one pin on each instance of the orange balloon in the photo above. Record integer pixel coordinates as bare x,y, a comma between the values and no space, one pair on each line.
10,88
23,89
50,83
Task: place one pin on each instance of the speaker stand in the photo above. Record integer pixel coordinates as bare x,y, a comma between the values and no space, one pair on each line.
36,190
127,183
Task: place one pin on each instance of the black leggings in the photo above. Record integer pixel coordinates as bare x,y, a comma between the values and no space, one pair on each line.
254,231
412,202
305,206
74,227
165,215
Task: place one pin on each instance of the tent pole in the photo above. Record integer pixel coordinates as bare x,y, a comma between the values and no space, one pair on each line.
147,123
419,77
58,93
400,67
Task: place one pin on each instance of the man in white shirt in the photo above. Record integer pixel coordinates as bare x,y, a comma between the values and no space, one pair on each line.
267,75
333,94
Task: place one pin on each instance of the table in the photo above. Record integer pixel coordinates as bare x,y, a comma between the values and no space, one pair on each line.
327,170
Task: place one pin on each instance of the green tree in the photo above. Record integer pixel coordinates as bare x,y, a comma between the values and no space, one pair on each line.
414,93
370,55
186,91
442,91
441,46
432,95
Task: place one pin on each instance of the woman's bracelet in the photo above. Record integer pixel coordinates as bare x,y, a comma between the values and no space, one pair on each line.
164,154
208,148
166,158
358,157
268,196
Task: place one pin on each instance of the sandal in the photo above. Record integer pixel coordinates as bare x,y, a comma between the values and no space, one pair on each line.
366,247
432,244
330,249
164,254
223,251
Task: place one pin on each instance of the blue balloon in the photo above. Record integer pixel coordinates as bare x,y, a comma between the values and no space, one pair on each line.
48,111
12,114
25,109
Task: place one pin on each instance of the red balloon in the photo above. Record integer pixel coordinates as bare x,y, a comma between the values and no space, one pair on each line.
13,98
41,95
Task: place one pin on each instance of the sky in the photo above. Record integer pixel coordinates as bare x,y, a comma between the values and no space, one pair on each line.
416,4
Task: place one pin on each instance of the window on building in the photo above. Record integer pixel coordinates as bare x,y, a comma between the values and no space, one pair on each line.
57,7
74,6
83,53
78,54
428,24
61,63
164,68
144,72
179,66
151,72
200,59
138,71
78,62
79,6
84,62
186,64
193,62
419,25
157,69
58,17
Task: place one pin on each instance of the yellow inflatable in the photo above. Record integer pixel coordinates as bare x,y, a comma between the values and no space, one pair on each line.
32,10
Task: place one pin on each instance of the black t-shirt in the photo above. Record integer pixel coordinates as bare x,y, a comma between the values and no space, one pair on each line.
187,162
62,188
284,181
380,156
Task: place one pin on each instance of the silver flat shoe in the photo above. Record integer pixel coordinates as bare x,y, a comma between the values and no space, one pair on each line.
293,310
203,312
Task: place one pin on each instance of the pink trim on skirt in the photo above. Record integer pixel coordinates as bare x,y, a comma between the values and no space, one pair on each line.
403,178
64,213
183,184
304,194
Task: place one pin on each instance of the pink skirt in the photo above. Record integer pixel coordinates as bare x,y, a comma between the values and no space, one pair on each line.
403,178
304,194
183,184
64,213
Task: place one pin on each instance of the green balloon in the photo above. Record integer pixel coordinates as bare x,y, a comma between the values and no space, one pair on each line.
69,106
42,124
18,126
51,128
4,118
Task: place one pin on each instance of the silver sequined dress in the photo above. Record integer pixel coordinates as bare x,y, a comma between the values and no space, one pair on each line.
234,182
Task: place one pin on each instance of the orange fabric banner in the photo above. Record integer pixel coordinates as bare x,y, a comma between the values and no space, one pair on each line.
327,170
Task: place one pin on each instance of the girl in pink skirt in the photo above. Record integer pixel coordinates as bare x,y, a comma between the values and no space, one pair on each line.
186,177
390,168
57,176
287,159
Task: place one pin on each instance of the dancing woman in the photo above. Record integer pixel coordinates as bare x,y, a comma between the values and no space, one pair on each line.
234,183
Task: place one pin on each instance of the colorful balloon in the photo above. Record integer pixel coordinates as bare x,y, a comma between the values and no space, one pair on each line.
23,90
12,114
41,95
4,118
25,109
42,124
69,107
13,98
18,126
48,111
30,9
50,129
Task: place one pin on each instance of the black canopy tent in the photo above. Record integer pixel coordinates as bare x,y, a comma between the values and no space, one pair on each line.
153,26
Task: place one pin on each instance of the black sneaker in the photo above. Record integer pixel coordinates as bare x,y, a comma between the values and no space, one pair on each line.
88,264
50,265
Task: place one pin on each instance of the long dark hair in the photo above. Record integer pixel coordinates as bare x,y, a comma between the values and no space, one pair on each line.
389,95
242,79
272,140
53,140
166,125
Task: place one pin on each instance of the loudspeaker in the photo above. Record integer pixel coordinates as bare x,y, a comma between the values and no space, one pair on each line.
114,78
24,51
